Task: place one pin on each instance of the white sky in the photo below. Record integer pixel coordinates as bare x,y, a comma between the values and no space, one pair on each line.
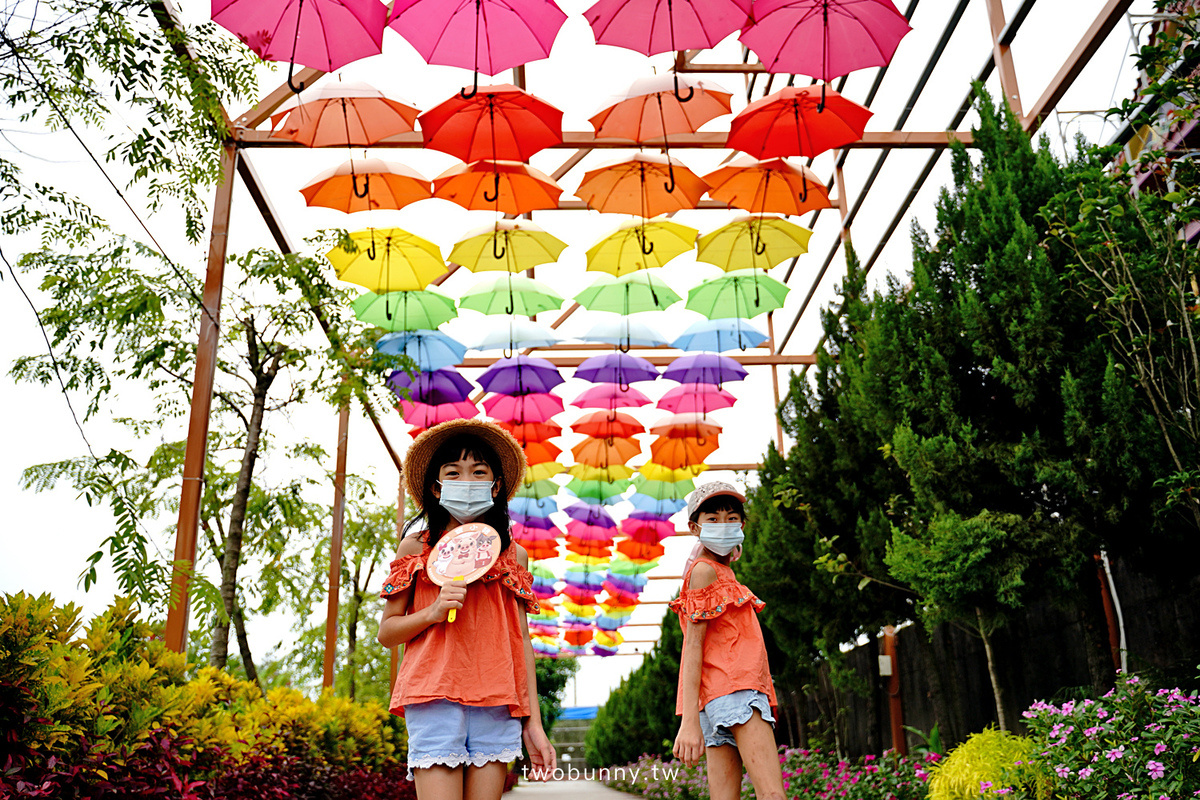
47,537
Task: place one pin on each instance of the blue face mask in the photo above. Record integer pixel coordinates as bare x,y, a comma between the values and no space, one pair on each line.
721,537
466,500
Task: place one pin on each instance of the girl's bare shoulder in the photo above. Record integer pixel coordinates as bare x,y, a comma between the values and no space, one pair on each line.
410,546
701,575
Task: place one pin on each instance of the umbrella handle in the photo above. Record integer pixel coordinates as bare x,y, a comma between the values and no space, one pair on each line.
292,61
670,187
366,188
624,347
371,253
760,247
496,189
678,96
701,440
496,254
291,81
465,95
643,241
511,304
804,187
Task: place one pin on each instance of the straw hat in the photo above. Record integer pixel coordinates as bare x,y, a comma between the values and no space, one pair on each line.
708,490
508,450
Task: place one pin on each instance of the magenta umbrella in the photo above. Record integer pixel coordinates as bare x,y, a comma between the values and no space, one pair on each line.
423,415
522,409
696,398
322,34
486,36
610,396
824,38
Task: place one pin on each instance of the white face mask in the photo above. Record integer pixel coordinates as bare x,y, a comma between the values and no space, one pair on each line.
466,500
721,537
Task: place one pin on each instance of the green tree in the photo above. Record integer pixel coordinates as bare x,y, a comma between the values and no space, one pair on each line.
553,674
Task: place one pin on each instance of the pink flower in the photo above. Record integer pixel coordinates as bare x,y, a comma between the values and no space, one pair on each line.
1115,753
1086,772
1159,749
984,785
1155,768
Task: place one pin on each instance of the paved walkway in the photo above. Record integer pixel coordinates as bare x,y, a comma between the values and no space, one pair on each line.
575,790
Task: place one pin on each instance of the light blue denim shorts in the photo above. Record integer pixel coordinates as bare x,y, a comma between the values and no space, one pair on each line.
445,732
729,710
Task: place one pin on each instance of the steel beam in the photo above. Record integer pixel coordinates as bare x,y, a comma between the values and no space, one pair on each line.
660,361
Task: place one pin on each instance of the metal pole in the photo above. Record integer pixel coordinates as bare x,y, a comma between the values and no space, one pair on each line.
202,388
335,545
1002,55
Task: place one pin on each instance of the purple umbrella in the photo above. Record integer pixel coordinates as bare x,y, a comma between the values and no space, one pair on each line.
590,515
435,387
704,368
531,521
520,375
617,367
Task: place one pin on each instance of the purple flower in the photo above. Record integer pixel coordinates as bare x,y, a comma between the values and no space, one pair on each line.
1155,768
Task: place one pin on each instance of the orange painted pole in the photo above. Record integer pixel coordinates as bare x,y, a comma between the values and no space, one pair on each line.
196,451
892,686
335,545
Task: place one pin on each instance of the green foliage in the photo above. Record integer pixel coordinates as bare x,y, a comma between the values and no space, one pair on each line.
552,677
988,763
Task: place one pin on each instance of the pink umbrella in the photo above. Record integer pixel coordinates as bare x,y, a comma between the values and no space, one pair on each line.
322,34
537,407
824,38
696,397
486,36
610,396
423,415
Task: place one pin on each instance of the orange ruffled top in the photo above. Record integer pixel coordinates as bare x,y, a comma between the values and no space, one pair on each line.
734,655
477,660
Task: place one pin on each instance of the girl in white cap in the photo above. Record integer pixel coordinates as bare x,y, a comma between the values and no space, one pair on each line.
725,696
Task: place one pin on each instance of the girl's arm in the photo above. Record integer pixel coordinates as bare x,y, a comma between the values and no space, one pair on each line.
689,743
541,752
397,626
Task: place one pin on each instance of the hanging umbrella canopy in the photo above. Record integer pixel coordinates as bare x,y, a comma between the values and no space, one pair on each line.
497,122
696,397
538,489
797,121
605,452
610,396
707,368
640,552
742,293
531,431
516,333
676,490
541,452
532,522
617,367
771,185
502,186
660,472
510,294
429,349
718,335
644,184
623,332
405,311
540,472
590,515
384,185
507,244
597,492
388,260
677,453
423,415
650,505
532,507
335,114
608,474
322,34
753,240
436,387
824,38
523,409
521,374
651,110
640,244
606,425
654,26
628,294
687,425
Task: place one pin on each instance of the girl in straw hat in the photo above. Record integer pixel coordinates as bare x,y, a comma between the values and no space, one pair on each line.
467,690
725,695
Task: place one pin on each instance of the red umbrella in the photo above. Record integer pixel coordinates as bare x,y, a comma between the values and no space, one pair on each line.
824,38
607,425
508,186
498,122
797,122
322,34
696,397
340,115
662,26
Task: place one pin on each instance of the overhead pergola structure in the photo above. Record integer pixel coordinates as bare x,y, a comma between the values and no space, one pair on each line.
246,138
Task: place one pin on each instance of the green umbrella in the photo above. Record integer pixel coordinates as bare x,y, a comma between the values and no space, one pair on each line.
743,293
405,311
538,489
511,294
662,490
628,294
596,490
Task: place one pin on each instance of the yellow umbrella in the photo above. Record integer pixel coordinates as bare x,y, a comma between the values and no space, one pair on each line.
657,472
388,260
509,245
613,472
640,244
753,240
542,471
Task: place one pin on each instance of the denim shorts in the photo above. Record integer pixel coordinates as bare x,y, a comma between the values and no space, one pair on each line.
445,732
729,710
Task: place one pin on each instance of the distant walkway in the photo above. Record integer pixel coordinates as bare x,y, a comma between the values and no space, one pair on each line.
575,790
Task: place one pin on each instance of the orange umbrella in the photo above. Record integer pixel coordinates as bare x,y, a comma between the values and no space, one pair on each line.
682,452
587,547
541,452
578,638
605,452
531,431
771,185
342,114
384,185
686,426
639,551
651,109
604,425
508,186
645,184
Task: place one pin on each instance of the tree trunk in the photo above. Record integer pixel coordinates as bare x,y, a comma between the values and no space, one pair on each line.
997,691
943,697
355,604
239,625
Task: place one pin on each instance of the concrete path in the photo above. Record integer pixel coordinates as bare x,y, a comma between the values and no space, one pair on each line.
575,790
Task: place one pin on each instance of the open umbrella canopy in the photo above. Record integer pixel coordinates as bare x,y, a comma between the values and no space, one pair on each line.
673,490
424,415
628,294
608,425
605,452
650,109
532,507
523,409
706,368
591,515
687,425
600,492
797,121
541,452
541,472
539,489
660,26
676,453
503,186
773,185
753,240
510,294
659,507
496,122
405,311
436,387
388,260
507,244
521,374
660,472
336,114
696,397
640,244
741,293
718,335
384,185
616,367
624,333
429,349
644,184
516,333
608,474
610,396
531,431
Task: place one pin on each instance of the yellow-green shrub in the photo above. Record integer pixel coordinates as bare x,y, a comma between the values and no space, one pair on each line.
985,763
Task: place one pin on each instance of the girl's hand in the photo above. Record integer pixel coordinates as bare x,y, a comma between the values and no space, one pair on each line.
542,757
689,744
449,597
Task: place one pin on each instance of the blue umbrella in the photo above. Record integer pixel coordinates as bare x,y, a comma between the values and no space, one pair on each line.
624,332
718,335
650,505
533,507
430,349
